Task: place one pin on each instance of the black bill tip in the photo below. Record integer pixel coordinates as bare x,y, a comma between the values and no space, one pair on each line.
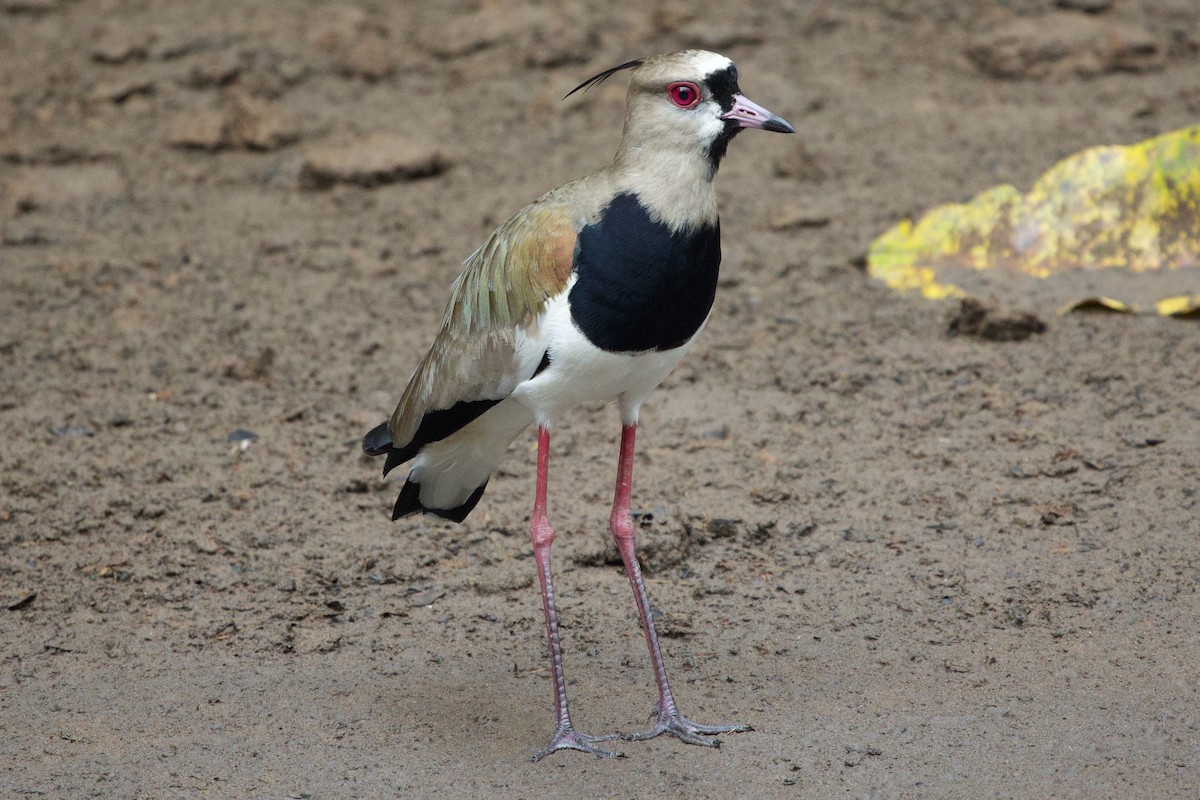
778,125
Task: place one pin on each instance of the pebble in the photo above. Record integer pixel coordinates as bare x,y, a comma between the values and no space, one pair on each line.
1065,42
28,6
241,435
57,187
120,45
208,546
791,217
245,121
199,129
991,322
723,528
335,25
260,124
214,69
704,34
473,32
169,47
1086,6
118,91
370,58
372,160
800,164
425,598
70,429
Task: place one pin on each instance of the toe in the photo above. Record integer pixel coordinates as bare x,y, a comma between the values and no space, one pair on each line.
571,739
687,731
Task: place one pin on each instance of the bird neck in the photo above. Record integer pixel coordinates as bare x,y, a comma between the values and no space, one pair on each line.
674,184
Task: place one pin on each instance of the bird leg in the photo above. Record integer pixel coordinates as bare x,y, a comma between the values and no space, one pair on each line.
623,531
565,735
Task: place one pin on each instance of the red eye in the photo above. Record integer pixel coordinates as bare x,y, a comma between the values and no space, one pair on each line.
684,95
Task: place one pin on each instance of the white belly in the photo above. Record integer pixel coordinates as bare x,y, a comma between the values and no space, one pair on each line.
580,372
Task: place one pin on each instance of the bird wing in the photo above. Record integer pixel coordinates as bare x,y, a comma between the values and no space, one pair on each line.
488,342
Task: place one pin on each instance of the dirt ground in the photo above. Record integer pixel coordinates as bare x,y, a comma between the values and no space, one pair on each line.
919,564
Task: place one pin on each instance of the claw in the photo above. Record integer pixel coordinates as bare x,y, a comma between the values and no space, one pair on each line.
571,739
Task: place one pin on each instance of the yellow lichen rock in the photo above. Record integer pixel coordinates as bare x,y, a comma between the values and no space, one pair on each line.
1088,223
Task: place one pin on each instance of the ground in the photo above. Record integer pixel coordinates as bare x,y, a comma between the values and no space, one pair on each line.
920,564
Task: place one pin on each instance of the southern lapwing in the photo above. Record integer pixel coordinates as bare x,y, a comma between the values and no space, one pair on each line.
593,292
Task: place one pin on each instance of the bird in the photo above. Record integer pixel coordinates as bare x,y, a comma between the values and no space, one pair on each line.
592,293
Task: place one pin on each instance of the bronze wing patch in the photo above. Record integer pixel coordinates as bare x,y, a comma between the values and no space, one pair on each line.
503,288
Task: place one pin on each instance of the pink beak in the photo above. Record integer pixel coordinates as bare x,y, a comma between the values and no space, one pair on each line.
749,114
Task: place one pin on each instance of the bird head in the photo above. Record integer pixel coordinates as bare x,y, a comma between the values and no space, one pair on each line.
687,103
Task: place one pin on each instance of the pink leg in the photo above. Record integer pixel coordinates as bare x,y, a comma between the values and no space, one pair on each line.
565,735
623,531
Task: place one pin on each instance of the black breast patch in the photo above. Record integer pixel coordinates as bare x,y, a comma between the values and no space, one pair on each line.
640,286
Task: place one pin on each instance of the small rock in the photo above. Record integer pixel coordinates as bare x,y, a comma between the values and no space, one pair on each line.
370,57
187,42
17,605
425,598
1065,42
245,121
72,429
1086,6
121,44
336,25
119,91
791,217
22,233
474,32
255,368
372,160
674,625
8,115
975,318
1025,47
801,165
260,124
202,129
29,6
670,15
723,528
708,35
57,187
261,71
555,40
214,70
1130,48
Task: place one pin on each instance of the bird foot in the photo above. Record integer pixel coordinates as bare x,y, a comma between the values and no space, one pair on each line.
567,738
685,730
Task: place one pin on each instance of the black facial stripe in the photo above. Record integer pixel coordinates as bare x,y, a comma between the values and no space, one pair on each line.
716,150
724,85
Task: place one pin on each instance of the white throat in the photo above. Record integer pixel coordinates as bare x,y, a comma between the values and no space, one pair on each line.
675,186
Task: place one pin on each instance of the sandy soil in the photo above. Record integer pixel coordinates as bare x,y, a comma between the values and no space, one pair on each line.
921,565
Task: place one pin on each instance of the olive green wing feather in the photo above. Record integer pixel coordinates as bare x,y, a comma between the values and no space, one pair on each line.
488,342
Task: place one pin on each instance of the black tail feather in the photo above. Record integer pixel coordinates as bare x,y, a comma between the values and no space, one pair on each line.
409,502
397,457
435,426
378,441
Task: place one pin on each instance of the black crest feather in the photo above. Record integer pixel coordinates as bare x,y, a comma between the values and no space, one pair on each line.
603,76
